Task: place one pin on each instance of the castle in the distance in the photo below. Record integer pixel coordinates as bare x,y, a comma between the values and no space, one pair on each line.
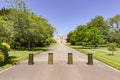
61,39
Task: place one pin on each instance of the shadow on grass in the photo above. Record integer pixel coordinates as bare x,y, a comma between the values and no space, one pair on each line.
12,60
38,49
111,54
82,47
85,47
32,49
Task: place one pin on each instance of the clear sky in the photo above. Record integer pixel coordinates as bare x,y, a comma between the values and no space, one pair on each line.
66,15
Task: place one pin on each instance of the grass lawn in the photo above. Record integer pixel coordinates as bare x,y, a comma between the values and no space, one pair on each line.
102,54
20,55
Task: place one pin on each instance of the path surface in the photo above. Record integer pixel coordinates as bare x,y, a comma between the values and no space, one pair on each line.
60,70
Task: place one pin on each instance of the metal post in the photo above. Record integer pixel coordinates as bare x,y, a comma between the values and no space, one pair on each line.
50,58
90,59
30,60
70,58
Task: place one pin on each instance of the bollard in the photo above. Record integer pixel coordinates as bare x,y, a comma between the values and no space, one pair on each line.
70,58
30,60
50,58
90,59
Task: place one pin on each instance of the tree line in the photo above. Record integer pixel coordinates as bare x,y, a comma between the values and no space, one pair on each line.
96,32
22,28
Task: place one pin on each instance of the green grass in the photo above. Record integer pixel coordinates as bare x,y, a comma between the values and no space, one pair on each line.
20,55
102,54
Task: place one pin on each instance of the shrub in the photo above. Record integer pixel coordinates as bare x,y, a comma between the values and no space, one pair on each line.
4,48
1,58
15,45
6,45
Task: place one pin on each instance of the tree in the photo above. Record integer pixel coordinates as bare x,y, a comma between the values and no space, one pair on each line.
24,29
69,36
16,4
114,23
73,39
112,47
6,29
94,37
114,33
85,36
99,23
80,34
114,37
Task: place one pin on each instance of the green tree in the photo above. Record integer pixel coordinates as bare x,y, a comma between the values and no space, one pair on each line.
24,29
6,29
69,35
114,23
73,39
85,36
99,23
114,33
112,47
81,34
114,37
94,37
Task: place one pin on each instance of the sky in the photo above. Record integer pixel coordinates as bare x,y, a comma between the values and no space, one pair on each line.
66,15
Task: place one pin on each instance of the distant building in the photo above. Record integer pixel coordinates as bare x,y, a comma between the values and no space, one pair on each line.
61,39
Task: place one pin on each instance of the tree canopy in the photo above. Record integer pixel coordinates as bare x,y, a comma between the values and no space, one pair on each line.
97,31
85,36
22,28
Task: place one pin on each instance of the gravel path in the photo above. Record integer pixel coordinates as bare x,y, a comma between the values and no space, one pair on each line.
60,70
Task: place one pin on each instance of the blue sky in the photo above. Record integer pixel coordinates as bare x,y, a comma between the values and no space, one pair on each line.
66,15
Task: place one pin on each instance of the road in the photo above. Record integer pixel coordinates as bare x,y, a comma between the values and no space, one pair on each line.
60,70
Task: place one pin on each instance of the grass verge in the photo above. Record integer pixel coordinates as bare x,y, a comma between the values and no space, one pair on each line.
17,56
102,54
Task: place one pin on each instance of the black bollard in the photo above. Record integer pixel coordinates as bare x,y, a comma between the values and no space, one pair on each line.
50,58
70,58
30,60
90,59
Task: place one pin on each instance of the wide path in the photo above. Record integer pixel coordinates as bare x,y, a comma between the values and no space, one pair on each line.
60,70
